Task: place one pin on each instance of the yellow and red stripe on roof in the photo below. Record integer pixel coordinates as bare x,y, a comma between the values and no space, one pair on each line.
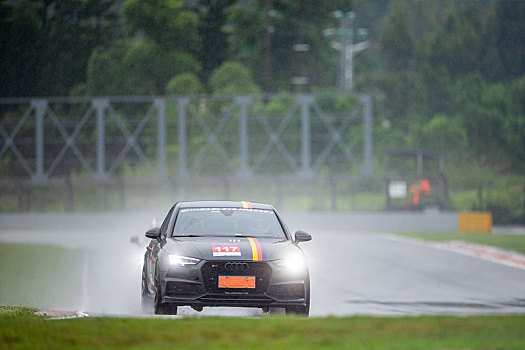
247,205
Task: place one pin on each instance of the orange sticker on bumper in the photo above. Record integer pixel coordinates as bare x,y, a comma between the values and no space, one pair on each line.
237,282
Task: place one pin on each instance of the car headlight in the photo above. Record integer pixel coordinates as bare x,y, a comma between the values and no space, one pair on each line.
294,264
182,260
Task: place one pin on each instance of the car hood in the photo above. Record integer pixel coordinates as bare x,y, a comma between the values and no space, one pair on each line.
228,248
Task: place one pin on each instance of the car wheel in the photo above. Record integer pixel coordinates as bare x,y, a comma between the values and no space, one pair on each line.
146,300
159,307
298,310
301,310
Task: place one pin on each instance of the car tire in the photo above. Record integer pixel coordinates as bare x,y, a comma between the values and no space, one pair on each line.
146,306
146,301
298,310
302,310
160,308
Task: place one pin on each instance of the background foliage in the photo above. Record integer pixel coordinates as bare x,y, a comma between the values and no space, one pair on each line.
446,75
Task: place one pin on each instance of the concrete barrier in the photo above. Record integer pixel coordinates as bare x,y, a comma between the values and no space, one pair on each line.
139,222
433,221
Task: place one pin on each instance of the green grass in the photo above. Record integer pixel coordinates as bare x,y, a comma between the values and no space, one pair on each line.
40,275
20,330
504,241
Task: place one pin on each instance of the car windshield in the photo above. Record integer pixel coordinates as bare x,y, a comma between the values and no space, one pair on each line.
227,222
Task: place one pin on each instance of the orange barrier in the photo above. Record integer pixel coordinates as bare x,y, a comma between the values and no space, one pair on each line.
475,222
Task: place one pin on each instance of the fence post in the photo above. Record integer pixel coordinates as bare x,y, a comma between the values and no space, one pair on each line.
278,193
366,100
305,101
19,195
103,189
445,192
69,200
40,106
122,192
182,104
100,105
333,193
243,102
387,195
160,103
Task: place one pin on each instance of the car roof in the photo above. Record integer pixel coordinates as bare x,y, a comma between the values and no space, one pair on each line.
225,204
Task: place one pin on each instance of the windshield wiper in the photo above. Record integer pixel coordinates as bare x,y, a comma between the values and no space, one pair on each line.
188,236
240,235
245,236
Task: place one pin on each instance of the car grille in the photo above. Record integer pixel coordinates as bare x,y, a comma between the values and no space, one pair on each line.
288,290
181,288
212,270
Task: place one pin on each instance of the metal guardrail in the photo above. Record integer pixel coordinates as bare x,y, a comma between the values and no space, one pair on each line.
301,135
287,192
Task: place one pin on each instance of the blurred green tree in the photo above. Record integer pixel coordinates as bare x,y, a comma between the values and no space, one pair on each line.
166,22
184,84
214,46
162,41
46,44
503,51
396,41
21,43
441,134
262,34
232,78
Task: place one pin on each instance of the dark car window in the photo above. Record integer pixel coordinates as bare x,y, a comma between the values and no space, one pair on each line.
228,222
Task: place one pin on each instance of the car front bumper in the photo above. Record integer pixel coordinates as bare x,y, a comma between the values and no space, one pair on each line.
198,285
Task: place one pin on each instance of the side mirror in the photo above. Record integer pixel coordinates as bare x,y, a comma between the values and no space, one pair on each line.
153,233
301,236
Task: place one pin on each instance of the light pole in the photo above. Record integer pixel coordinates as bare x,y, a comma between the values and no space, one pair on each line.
268,30
300,82
346,47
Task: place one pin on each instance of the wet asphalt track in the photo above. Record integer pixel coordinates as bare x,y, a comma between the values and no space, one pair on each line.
354,268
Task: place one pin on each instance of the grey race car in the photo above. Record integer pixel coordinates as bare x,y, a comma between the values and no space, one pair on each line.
218,253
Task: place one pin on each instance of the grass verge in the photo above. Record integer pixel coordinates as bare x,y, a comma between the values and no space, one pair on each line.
40,275
20,330
514,243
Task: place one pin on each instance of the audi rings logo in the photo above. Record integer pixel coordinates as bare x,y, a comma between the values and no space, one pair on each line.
236,267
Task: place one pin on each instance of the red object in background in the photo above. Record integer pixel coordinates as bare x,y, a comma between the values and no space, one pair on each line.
424,186
414,189
419,188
